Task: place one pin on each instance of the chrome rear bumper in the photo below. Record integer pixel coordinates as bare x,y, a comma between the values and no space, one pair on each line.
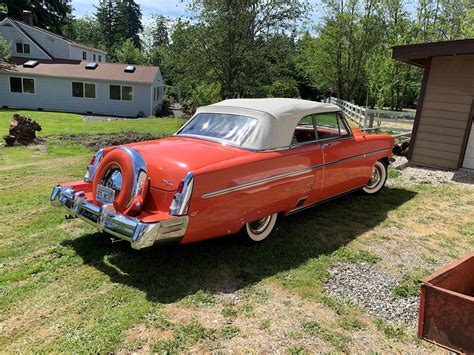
107,219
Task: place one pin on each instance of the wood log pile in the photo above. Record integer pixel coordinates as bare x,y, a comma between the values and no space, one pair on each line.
22,130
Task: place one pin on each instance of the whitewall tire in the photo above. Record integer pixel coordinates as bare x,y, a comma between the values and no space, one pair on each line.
377,179
257,231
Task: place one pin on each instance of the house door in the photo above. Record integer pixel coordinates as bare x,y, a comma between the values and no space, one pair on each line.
469,152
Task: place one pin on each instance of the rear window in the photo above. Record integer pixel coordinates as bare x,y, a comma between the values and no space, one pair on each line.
230,128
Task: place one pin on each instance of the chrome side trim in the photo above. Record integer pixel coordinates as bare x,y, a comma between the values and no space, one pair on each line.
286,175
107,219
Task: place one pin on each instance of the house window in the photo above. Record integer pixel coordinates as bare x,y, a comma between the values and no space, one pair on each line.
22,85
121,92
22,48
86,90
94,57
84,55
100,58
156,93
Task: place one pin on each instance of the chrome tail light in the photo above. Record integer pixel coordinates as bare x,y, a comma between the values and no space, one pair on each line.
180,203
92,168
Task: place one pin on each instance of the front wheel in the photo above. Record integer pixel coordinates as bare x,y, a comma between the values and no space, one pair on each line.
377,179
259,230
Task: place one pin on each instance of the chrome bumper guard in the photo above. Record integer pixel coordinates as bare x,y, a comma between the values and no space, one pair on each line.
107,219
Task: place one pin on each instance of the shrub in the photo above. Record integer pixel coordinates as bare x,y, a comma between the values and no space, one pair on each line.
284,88
206,94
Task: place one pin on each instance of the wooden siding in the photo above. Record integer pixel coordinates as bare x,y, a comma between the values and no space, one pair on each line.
445,112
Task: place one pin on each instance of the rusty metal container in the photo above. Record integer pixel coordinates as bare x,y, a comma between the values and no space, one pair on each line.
446,315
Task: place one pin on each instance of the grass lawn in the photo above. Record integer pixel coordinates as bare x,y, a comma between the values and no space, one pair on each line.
64,287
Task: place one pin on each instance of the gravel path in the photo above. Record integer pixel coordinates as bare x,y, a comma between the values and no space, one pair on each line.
370,286
414,175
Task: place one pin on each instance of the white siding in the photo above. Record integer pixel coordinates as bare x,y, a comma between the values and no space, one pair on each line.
159,84
14,35
76,53
55,94
56,46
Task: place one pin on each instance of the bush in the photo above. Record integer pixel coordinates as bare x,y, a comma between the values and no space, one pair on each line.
206,94
284,88
164,110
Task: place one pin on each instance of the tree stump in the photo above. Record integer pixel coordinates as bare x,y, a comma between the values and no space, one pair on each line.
22,130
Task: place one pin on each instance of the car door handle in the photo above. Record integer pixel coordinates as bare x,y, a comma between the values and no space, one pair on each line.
325,145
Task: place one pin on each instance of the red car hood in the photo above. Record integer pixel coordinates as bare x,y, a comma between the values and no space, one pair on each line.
169,160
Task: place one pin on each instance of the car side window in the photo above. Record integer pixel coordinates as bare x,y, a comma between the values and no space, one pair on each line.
304,131
330,125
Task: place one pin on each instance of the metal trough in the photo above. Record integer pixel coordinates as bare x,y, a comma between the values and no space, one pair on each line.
447,307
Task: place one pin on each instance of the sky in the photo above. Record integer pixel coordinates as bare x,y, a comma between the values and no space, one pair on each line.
169,8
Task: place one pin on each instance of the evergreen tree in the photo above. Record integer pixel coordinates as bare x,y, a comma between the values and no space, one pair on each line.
106,23
128,19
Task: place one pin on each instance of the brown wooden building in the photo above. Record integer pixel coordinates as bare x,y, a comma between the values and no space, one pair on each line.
443,134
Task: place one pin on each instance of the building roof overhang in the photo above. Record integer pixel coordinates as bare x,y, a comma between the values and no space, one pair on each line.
418,54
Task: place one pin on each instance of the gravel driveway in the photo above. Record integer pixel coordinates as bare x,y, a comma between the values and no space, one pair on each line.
415,175
370,286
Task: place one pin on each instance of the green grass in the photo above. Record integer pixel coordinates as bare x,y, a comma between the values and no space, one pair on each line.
391,331
56,123
410,283
65,288
339,341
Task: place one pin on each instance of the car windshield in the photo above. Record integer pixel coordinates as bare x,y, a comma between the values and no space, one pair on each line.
231,128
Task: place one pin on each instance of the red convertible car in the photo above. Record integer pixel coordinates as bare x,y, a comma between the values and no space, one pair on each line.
235,166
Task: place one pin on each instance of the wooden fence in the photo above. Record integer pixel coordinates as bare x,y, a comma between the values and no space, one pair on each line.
369,119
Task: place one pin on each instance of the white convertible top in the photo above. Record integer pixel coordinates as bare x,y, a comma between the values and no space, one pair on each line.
276,118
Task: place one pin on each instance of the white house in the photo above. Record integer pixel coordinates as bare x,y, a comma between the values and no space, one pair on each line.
49,72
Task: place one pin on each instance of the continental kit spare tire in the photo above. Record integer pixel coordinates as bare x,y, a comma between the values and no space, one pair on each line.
123,169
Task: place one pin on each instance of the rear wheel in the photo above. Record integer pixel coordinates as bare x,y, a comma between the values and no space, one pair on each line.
377,178
257,231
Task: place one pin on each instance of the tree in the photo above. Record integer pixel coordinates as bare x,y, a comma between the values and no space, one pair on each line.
231,31
156,34
85,30
284,88
5,49
468,23
48,14
127,53
106,23
128,19
206,94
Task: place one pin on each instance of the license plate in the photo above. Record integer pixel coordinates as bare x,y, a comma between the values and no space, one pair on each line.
104,194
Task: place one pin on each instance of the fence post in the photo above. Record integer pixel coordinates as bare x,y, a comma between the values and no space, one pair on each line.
371,118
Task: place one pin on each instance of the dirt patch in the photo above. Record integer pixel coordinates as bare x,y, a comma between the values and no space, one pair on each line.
97,141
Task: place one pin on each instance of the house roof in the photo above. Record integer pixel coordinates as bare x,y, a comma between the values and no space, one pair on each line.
417,54
275,118
75,69
70,41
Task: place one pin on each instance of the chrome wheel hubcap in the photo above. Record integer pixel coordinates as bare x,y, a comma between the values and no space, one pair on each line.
113,180
259,226
374,178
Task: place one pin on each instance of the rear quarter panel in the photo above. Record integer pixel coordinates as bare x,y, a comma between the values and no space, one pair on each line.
212,216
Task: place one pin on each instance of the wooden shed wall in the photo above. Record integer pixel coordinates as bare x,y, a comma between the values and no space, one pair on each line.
445,112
